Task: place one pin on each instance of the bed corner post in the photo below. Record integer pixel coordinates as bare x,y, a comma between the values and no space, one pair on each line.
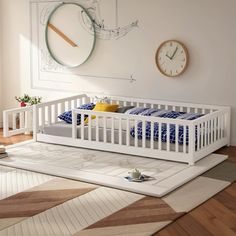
191,139
5,124
74,124
228,120
35,122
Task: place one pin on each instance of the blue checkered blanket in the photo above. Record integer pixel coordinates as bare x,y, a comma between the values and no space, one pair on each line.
163,114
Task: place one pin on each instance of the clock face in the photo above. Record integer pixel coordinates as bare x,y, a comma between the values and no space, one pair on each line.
172,58
68,41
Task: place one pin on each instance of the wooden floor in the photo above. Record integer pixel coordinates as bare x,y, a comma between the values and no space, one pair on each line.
14,139
217,216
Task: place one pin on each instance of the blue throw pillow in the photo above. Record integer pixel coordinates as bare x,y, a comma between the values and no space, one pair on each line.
67,115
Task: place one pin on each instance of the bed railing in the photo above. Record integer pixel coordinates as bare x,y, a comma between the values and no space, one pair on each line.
31,118
159,104
17,121
211,130
198,136
47,113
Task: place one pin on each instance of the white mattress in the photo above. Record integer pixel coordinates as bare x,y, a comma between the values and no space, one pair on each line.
61,128
65,130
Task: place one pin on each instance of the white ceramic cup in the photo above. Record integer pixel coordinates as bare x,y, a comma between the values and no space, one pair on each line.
135,174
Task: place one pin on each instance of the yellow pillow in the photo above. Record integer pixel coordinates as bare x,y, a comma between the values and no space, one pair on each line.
104,107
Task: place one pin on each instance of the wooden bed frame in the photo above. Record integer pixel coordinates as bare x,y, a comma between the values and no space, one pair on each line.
206,134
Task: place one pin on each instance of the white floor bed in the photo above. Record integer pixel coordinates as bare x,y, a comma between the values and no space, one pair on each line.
111,131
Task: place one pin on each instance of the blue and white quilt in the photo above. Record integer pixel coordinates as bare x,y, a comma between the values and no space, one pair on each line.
67,115
163,114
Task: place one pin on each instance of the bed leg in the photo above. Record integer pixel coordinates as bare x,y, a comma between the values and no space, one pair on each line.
35,122
191,163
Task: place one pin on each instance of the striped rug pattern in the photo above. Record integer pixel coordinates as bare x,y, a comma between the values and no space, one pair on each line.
33,204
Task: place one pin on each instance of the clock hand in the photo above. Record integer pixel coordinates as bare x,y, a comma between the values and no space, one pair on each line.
56,30
174,53
168,56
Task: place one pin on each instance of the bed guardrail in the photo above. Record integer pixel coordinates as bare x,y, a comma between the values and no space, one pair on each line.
17,121
211,131
47,113
25,119
196,139
160,104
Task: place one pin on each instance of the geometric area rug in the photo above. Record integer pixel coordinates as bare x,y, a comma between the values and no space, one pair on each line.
106,168
38,204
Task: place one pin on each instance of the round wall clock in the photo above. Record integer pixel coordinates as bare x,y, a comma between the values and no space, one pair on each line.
172,58
67,40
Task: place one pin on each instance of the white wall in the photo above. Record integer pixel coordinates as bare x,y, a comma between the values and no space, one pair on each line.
1,89
205,26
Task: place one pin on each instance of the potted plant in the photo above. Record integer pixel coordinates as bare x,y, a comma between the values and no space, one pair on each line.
27,100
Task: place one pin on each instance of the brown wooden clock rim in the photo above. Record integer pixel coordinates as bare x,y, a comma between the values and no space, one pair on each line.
186,53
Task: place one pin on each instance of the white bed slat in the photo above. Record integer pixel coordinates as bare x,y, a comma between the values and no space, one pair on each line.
78,102
159,136
220,127
104,129
176,138
127,133
22,123
82,126
198,137
89,127
143,134
69,105
74,125
97,128
224,125
42,117
202,132
112,130
14,121
152,135
215,129
120,132
208,132
168,137
184,139
136,133
62,107
49,114
205,135
75,103
212,130
56,112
